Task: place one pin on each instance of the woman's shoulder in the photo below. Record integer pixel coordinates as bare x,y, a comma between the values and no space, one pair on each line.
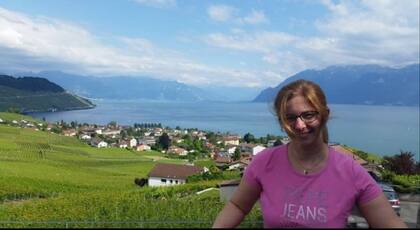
269,154
342,159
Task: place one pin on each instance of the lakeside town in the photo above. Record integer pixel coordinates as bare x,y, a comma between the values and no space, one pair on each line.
228,151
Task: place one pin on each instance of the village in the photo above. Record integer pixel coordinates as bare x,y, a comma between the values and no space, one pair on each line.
227,151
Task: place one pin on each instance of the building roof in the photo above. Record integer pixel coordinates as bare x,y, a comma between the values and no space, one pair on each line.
174,171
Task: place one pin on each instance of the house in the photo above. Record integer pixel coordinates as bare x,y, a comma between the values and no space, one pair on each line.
171,174
123,144
143,147
69,132
177,150
222,161
147,141
133,143
240,164
85,137
252,148
233,140
1,120
230,149
111,132
98,143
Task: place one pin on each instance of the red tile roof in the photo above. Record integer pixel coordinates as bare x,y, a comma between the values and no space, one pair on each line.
174,171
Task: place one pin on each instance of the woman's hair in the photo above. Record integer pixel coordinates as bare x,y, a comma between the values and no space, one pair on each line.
312,93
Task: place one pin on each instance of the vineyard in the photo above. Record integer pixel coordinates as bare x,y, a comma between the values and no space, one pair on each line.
48,180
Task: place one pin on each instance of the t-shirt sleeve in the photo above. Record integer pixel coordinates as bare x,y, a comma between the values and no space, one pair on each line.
251,173
366,186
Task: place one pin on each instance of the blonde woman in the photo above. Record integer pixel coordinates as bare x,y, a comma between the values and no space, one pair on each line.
306,183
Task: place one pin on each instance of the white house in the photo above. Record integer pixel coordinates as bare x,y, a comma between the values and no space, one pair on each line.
251,148
230,149
123,144
178,151
1,120
102,144
133,142
232,140
85,137
143,147
98,143
171,174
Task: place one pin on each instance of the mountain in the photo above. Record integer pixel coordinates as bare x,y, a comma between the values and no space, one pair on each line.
122,87
360,84
34,94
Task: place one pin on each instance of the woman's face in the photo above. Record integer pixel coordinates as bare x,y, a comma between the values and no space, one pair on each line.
304,120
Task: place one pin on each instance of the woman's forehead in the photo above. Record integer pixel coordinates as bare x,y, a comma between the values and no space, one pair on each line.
298,104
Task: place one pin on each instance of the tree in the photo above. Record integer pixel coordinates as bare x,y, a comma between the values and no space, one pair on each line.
164,141
402,163
112,124
237,154
248,137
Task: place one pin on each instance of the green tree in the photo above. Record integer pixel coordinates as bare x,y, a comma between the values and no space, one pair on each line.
237,154
248,138
112,124
164,141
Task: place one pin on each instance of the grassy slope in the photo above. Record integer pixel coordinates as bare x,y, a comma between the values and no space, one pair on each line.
51,178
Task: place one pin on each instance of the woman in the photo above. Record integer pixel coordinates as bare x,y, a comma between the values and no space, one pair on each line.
306,183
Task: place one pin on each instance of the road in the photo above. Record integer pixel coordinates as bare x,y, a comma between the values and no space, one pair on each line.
410,214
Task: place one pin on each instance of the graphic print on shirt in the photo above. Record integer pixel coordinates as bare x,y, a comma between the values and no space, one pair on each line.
304,206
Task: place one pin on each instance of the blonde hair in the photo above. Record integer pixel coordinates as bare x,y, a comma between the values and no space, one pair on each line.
312,93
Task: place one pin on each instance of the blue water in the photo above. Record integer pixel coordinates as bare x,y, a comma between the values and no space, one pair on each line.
383,130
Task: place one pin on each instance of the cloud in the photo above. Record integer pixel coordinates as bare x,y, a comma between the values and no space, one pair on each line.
256,17
221,13
157,3
260,41
226,13
365,32
35,44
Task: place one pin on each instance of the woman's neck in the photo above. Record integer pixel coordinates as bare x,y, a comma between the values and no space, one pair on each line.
310,152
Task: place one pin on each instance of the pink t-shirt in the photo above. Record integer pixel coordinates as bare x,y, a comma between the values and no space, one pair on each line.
325,199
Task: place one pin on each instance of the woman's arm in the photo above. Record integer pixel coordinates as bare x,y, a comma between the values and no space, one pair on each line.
379,214
238,207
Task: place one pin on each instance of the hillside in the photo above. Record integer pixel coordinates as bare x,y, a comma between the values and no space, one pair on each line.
360,84
49,180
33,94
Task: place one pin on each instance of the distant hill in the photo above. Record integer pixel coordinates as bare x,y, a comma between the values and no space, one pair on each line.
122,87
360,84
140,87
33,94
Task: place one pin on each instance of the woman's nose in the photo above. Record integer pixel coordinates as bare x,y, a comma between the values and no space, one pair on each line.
299,124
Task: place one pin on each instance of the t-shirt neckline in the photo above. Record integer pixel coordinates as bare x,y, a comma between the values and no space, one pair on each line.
301,174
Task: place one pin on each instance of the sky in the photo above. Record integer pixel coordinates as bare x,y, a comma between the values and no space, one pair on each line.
254,43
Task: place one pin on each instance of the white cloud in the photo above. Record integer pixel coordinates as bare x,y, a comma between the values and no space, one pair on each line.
221,13
225,13
157,3
256,17
261,41
35,44
366,32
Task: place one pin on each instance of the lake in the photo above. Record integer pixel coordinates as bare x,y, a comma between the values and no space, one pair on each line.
383,130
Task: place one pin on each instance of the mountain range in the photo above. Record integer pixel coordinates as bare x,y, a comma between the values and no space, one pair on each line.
360,84
125,87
